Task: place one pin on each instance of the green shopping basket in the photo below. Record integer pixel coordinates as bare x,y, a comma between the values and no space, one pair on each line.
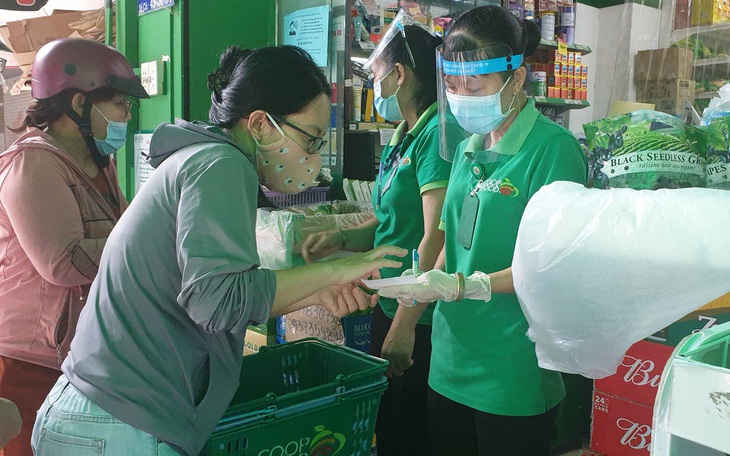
307,397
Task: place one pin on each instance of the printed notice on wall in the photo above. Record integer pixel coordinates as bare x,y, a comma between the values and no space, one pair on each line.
309,29
142,169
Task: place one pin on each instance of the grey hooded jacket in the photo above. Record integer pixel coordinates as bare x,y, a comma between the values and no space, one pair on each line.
160,341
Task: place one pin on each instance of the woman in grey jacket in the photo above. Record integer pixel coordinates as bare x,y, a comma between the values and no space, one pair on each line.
157,355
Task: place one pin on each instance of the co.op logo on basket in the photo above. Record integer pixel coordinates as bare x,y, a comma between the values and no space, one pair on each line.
325,443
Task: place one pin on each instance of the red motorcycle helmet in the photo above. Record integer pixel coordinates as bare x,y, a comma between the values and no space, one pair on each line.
81,64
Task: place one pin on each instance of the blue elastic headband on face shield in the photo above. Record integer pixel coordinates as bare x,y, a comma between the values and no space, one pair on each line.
476,67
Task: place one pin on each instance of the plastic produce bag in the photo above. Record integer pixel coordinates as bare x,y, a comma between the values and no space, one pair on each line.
645,150
717,151
279,236
719,106
280,232
597,270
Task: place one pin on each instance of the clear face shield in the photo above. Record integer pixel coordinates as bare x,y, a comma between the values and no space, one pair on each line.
473,93
396,26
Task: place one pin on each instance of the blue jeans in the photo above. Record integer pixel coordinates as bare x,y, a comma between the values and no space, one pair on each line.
69,424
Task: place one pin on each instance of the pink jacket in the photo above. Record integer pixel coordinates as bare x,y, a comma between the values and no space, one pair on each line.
53,226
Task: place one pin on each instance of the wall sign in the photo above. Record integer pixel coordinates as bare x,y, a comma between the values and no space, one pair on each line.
145,6
142,169
308,29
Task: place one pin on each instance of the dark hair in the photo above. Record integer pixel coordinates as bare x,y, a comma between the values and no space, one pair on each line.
423,47
491,25
280,80
42,113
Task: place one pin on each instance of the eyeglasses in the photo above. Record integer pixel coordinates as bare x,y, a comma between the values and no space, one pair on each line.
316,144
125,105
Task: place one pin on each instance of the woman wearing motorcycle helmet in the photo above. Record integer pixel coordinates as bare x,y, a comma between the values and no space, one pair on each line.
59,199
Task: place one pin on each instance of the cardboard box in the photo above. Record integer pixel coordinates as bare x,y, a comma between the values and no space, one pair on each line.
620,427
28,35
314,321
254,340
691,323
663,64
668,96
637,377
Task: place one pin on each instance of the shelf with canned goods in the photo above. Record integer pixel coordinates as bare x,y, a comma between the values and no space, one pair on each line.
561,102
573,47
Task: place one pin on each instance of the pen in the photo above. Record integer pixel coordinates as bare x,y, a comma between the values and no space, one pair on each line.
414,257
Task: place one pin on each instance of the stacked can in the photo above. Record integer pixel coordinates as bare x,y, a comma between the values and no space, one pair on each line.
566,30
538,83
565,75
547,25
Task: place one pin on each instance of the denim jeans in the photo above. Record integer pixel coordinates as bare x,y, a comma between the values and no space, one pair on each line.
69,424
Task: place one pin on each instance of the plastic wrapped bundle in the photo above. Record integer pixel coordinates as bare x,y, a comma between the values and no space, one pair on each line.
645,150
598,270
717,150
280,232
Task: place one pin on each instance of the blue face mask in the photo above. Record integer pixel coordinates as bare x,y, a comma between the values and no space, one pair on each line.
116,136
387,107
479,114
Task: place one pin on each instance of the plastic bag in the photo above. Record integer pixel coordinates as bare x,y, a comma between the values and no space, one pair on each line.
280,232
717,151
719,106
597,270
279,236
645,150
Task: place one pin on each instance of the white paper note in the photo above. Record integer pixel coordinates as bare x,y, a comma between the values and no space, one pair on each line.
382,283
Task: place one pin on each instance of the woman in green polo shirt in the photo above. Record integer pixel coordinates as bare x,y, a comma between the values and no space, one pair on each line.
407,201
487,394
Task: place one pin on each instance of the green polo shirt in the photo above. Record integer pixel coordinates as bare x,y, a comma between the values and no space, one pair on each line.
481,355
397,194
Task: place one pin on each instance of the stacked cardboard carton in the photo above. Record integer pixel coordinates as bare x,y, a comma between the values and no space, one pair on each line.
25,37
664,77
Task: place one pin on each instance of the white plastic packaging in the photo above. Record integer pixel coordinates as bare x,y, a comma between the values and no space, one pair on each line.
279,236
280,232
597,270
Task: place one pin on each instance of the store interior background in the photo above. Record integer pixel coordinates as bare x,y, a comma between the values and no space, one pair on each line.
614,33
186,40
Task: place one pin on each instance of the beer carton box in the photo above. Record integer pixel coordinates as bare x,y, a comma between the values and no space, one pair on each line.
637,377
620,427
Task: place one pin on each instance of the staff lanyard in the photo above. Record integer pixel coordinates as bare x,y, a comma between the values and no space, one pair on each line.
390,163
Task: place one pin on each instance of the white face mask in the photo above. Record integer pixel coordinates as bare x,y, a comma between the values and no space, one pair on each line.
479,114
284,166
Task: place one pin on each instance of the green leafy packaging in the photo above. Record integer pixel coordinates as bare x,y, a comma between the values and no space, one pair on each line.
717,153
645,150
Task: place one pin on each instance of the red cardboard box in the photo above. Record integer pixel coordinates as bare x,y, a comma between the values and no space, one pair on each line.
620,427
638,375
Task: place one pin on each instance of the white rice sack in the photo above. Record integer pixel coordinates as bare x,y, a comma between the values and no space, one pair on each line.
598,270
